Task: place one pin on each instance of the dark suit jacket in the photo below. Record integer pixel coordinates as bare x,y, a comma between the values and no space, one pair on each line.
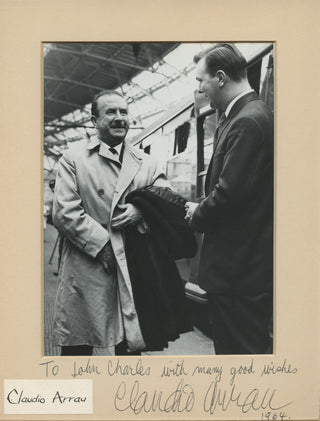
236,215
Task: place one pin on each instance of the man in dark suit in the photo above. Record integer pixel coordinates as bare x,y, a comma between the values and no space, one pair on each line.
236,215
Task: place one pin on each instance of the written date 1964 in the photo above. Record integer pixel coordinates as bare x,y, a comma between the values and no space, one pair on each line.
274,416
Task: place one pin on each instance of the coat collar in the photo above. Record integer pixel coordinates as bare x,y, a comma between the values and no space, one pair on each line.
250,96
95,143
244,100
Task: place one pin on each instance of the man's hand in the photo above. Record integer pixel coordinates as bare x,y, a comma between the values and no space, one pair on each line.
190,208
107,259
130,216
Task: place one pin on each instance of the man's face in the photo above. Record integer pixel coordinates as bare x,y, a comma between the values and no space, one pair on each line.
112,123
208,84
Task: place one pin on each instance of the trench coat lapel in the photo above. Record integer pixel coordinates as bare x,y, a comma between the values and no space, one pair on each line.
103,150
131,164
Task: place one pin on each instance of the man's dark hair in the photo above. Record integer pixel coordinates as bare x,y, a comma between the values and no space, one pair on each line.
224,57
94,107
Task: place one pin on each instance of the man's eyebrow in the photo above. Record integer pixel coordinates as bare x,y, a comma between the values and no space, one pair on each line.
116,108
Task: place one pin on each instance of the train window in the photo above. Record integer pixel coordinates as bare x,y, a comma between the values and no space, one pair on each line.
181,137
254,72
147,149
181,167
209,126
267,81
260,76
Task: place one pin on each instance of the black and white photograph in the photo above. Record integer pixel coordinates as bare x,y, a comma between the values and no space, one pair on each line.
160,215
158,198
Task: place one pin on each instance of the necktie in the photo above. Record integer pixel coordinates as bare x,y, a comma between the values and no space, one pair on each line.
216,133
215,141
115,152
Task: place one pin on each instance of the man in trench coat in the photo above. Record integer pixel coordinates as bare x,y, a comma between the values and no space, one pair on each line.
236,215
94,304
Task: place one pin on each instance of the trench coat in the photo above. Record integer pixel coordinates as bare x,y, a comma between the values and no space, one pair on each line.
236,215
92,307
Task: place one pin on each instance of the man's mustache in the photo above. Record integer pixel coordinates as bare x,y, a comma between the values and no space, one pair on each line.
119,126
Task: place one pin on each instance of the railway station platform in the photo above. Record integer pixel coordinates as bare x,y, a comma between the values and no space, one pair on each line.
191,343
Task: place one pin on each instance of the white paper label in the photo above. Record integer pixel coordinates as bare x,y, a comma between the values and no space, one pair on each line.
48,397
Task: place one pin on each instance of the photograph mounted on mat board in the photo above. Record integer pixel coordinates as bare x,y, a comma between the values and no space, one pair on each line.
200,286
189,379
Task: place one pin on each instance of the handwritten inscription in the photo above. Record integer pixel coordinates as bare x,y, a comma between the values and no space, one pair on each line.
89,368
115,367
222,392
215,371
242,369
283,368
176,369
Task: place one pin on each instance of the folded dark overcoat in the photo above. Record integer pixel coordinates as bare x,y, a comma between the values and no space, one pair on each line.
158,289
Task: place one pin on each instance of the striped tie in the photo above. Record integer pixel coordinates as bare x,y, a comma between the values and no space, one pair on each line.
220,122
115,152
215,141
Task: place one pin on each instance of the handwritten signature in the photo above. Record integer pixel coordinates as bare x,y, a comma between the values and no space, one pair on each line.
255,399
182,399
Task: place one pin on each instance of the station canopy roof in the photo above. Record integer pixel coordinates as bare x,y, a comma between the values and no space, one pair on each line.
153,77
74,72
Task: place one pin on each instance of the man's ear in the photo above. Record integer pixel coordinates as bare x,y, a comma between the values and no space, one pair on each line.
94,120
221,77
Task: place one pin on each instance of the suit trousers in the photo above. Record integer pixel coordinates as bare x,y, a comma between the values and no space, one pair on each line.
240,324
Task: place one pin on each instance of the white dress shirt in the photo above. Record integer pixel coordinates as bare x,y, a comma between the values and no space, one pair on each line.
231,103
